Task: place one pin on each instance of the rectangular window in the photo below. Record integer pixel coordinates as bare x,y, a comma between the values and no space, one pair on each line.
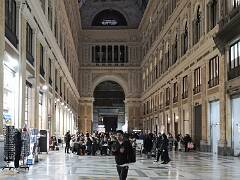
212,14
103,54
29,44
43,5
50,71
56,80
60,86
50,13
234,63
175,92
122,54
42,71
235,3
168,96
56,29
10,21
97,54
110,54
116,53
213,72
185,87
197,80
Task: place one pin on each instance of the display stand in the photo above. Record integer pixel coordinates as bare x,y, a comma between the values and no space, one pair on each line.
33,157
9,147
44,141
2,151
25,149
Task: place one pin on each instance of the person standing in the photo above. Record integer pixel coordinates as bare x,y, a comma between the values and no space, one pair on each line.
18,147
121,150
159,147
165,155
67,141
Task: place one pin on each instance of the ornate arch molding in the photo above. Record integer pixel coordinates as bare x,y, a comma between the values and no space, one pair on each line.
107,8
114,78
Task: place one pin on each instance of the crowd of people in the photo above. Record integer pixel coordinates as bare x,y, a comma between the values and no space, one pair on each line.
121,144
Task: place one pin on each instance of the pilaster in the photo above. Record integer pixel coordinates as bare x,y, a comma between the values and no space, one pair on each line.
86,114
2,48
22,71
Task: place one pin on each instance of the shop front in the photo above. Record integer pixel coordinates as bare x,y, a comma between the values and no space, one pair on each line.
10,91
214,123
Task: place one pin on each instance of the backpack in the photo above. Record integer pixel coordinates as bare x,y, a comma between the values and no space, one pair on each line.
131,154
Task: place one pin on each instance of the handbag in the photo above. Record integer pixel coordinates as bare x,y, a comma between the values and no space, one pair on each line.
190,145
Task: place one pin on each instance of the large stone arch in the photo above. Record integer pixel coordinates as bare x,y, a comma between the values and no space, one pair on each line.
114,78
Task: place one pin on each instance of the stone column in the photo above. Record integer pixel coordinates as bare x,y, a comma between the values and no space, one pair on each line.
86,114
223,103
2,48
22,72
204,104
37,84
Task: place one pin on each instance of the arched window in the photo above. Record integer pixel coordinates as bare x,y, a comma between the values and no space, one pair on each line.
109,17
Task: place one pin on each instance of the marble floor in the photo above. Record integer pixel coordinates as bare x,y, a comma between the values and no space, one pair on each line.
185,166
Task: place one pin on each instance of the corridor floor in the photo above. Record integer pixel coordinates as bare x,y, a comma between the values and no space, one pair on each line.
194,166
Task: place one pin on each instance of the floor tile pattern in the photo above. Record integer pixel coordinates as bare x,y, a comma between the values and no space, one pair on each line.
184,166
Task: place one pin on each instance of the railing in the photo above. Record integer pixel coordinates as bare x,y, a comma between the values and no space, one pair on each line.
42,72
175,99
11,36
213,82
30,58
233,73
167,102
185,94
50,81
197,89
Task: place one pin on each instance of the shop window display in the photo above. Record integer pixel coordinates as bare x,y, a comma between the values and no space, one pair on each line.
8,96
28,102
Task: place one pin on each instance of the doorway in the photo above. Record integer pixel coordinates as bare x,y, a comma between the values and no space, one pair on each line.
110,123
198,125
108,107
235,103
214,125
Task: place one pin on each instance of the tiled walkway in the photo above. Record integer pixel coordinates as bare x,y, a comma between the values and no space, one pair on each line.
194,166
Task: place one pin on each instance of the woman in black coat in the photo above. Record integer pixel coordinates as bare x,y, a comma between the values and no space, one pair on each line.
18,147
165,155
147,145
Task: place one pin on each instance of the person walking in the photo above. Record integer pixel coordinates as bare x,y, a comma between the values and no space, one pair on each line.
159,147
121,150
67,141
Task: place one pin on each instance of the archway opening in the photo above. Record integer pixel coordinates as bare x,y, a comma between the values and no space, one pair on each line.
108,107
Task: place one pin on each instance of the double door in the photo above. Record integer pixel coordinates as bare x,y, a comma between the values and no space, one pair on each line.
235,106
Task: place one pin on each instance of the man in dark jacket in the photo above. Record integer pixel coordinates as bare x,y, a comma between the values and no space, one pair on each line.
121,151
18,147
67,139
165,155
159,147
